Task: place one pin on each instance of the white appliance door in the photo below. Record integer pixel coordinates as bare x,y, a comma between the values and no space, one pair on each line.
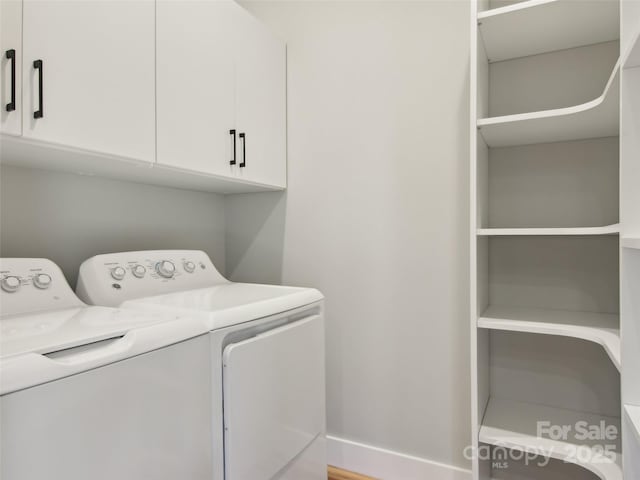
274,398
147,417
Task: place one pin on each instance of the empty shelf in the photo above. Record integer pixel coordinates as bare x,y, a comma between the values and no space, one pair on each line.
606,230
539,26
594,119
514,425
600,328
630,242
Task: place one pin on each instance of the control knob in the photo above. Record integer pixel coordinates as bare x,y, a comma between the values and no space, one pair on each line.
138,271
165,268
42,281
10,284
189,267
118,273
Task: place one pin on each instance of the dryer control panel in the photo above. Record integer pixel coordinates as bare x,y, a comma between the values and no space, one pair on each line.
113,278
33,284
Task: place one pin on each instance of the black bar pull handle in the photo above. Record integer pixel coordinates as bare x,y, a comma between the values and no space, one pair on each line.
11,55
244,150
37,64
232,132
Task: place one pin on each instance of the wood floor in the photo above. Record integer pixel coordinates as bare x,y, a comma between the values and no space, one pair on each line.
338,474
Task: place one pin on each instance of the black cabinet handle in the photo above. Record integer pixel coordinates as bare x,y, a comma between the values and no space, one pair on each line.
244,150
11,55
233,159
37,64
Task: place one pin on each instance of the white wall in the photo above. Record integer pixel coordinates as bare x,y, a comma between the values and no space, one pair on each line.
68,218
376,214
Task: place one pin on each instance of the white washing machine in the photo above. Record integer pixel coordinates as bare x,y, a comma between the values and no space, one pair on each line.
268,365
97,393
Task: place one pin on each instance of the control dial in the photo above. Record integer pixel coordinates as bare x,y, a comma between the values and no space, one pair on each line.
189,267
118,273
10,284
138,271
165,268
42,281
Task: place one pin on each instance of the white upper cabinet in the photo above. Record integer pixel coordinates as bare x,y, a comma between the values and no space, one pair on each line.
89,75
221,92
192,91
11,75
196,85
260,101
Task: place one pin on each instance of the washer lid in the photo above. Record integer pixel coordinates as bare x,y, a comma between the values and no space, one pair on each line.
46,346
231,303
52,331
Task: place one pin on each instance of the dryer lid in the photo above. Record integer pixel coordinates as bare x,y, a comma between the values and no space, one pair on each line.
230,303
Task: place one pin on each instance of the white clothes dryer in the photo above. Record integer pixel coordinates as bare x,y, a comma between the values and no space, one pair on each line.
268,358
94,392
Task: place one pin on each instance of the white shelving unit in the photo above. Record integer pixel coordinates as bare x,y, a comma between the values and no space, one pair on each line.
600,328
541,26
594,119
514,425
633,414
631,441
630,232
630,242
631,57
607,230
561,292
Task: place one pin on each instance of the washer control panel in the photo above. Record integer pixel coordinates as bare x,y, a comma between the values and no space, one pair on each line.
113,278
33,284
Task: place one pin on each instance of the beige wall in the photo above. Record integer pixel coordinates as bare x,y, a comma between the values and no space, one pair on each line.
376,214
68,218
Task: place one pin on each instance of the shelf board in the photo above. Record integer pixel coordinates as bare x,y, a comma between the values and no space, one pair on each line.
514,425
631,58
633,414
540,26
606,230
600,328
594,119
630,242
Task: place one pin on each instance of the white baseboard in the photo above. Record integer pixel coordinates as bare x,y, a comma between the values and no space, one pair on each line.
386,464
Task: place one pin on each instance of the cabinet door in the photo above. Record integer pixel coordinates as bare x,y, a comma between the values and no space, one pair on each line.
98,75
261,100
196,86
11,76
